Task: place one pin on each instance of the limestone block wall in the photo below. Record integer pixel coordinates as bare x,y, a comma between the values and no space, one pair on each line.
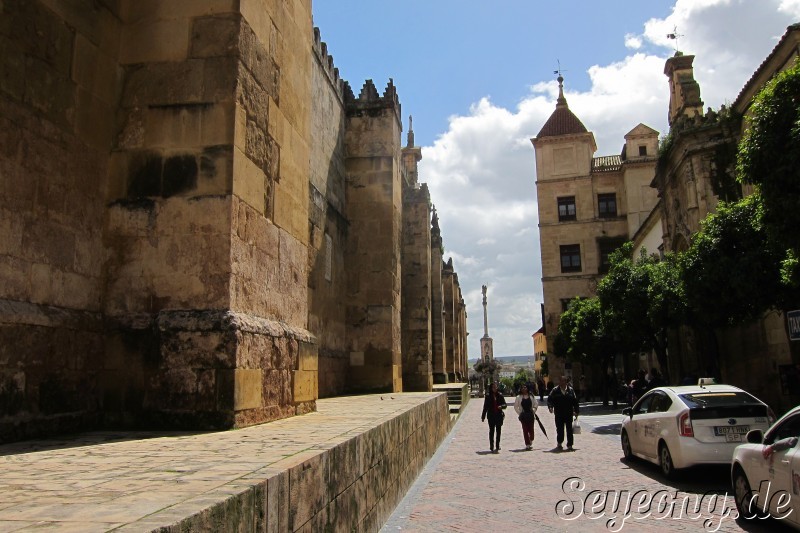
211,97
154,228
351,485
327,225
449,318
416,287
58,90
374,210
437,306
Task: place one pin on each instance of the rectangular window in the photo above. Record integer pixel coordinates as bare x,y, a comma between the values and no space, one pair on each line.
566,208
606,248
643,150
607,205
571,258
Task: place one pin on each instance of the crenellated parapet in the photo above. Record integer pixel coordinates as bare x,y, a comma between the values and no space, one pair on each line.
370,100
325,60
725,117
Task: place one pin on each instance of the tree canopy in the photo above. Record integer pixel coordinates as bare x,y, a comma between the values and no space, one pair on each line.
769,157
731,271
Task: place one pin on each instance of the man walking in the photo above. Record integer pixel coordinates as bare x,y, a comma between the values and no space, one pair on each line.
564,403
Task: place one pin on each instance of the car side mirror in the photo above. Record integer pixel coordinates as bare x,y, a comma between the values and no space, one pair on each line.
627,411
755,436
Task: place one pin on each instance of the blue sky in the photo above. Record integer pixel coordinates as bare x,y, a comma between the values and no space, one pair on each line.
444,55
478,78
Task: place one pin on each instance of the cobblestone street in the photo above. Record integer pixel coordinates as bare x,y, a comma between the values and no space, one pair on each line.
466,488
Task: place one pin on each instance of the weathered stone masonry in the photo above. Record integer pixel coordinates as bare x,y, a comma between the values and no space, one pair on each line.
201,226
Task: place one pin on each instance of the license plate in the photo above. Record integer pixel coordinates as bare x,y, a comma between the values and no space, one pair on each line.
731,430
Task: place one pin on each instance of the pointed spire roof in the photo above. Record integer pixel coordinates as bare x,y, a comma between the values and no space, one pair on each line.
562,121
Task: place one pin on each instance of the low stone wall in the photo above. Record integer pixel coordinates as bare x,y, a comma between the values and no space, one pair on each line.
352,485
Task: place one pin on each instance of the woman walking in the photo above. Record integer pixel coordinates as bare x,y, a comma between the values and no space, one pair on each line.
525,405
493,406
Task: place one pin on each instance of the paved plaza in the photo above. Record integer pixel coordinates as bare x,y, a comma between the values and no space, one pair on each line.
466,488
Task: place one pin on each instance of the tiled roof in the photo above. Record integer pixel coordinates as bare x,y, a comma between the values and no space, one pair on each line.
606,163
561,122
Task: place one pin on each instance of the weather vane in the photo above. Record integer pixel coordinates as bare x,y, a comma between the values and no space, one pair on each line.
559,71
674,36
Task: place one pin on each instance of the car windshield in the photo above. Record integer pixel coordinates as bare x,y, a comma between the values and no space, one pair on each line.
717,399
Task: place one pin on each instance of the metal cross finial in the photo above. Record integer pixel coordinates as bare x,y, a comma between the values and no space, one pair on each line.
674,36
559,71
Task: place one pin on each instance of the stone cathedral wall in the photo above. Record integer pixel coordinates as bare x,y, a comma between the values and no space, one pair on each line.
201,226
154,216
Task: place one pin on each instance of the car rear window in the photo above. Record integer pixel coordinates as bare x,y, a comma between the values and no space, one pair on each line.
713,405
699,400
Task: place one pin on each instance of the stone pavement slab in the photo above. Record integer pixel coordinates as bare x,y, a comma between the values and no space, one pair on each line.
140,481
466,488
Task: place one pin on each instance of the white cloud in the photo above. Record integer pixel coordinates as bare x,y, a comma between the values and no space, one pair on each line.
481,171
633,42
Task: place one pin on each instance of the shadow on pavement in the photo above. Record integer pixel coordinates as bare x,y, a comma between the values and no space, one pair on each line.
89,438
610,429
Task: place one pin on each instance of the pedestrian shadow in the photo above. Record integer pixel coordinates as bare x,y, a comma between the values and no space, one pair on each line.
520,450
484,452
555,450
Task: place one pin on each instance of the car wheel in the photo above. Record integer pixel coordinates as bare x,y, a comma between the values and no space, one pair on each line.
665,461
746,504
626,446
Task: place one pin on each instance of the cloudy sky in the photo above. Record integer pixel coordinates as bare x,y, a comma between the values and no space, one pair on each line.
478,77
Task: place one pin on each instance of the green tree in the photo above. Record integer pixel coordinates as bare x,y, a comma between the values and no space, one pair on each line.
731,271
522,377
582,336
640,300
769,157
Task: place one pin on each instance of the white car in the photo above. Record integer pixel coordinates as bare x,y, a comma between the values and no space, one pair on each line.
769,464
678,427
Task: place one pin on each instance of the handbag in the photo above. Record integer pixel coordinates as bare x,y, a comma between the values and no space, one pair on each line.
576,428
526,416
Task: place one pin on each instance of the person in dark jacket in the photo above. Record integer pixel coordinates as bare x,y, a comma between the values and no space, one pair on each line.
493,406
563,402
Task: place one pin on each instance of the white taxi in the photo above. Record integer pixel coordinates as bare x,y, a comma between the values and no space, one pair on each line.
678,427
765,472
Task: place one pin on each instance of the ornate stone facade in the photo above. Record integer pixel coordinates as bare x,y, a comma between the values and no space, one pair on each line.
695,173
200,225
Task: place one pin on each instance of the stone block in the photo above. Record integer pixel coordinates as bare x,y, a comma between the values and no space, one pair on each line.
151,41
240,127
94,120
174,126
308,356
221,78
304,385
12,69
171,83
216,171
39,32
50,92
259,15
248,181
247,392
278,502
158,9
95,71
99,24
309,482
215,36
